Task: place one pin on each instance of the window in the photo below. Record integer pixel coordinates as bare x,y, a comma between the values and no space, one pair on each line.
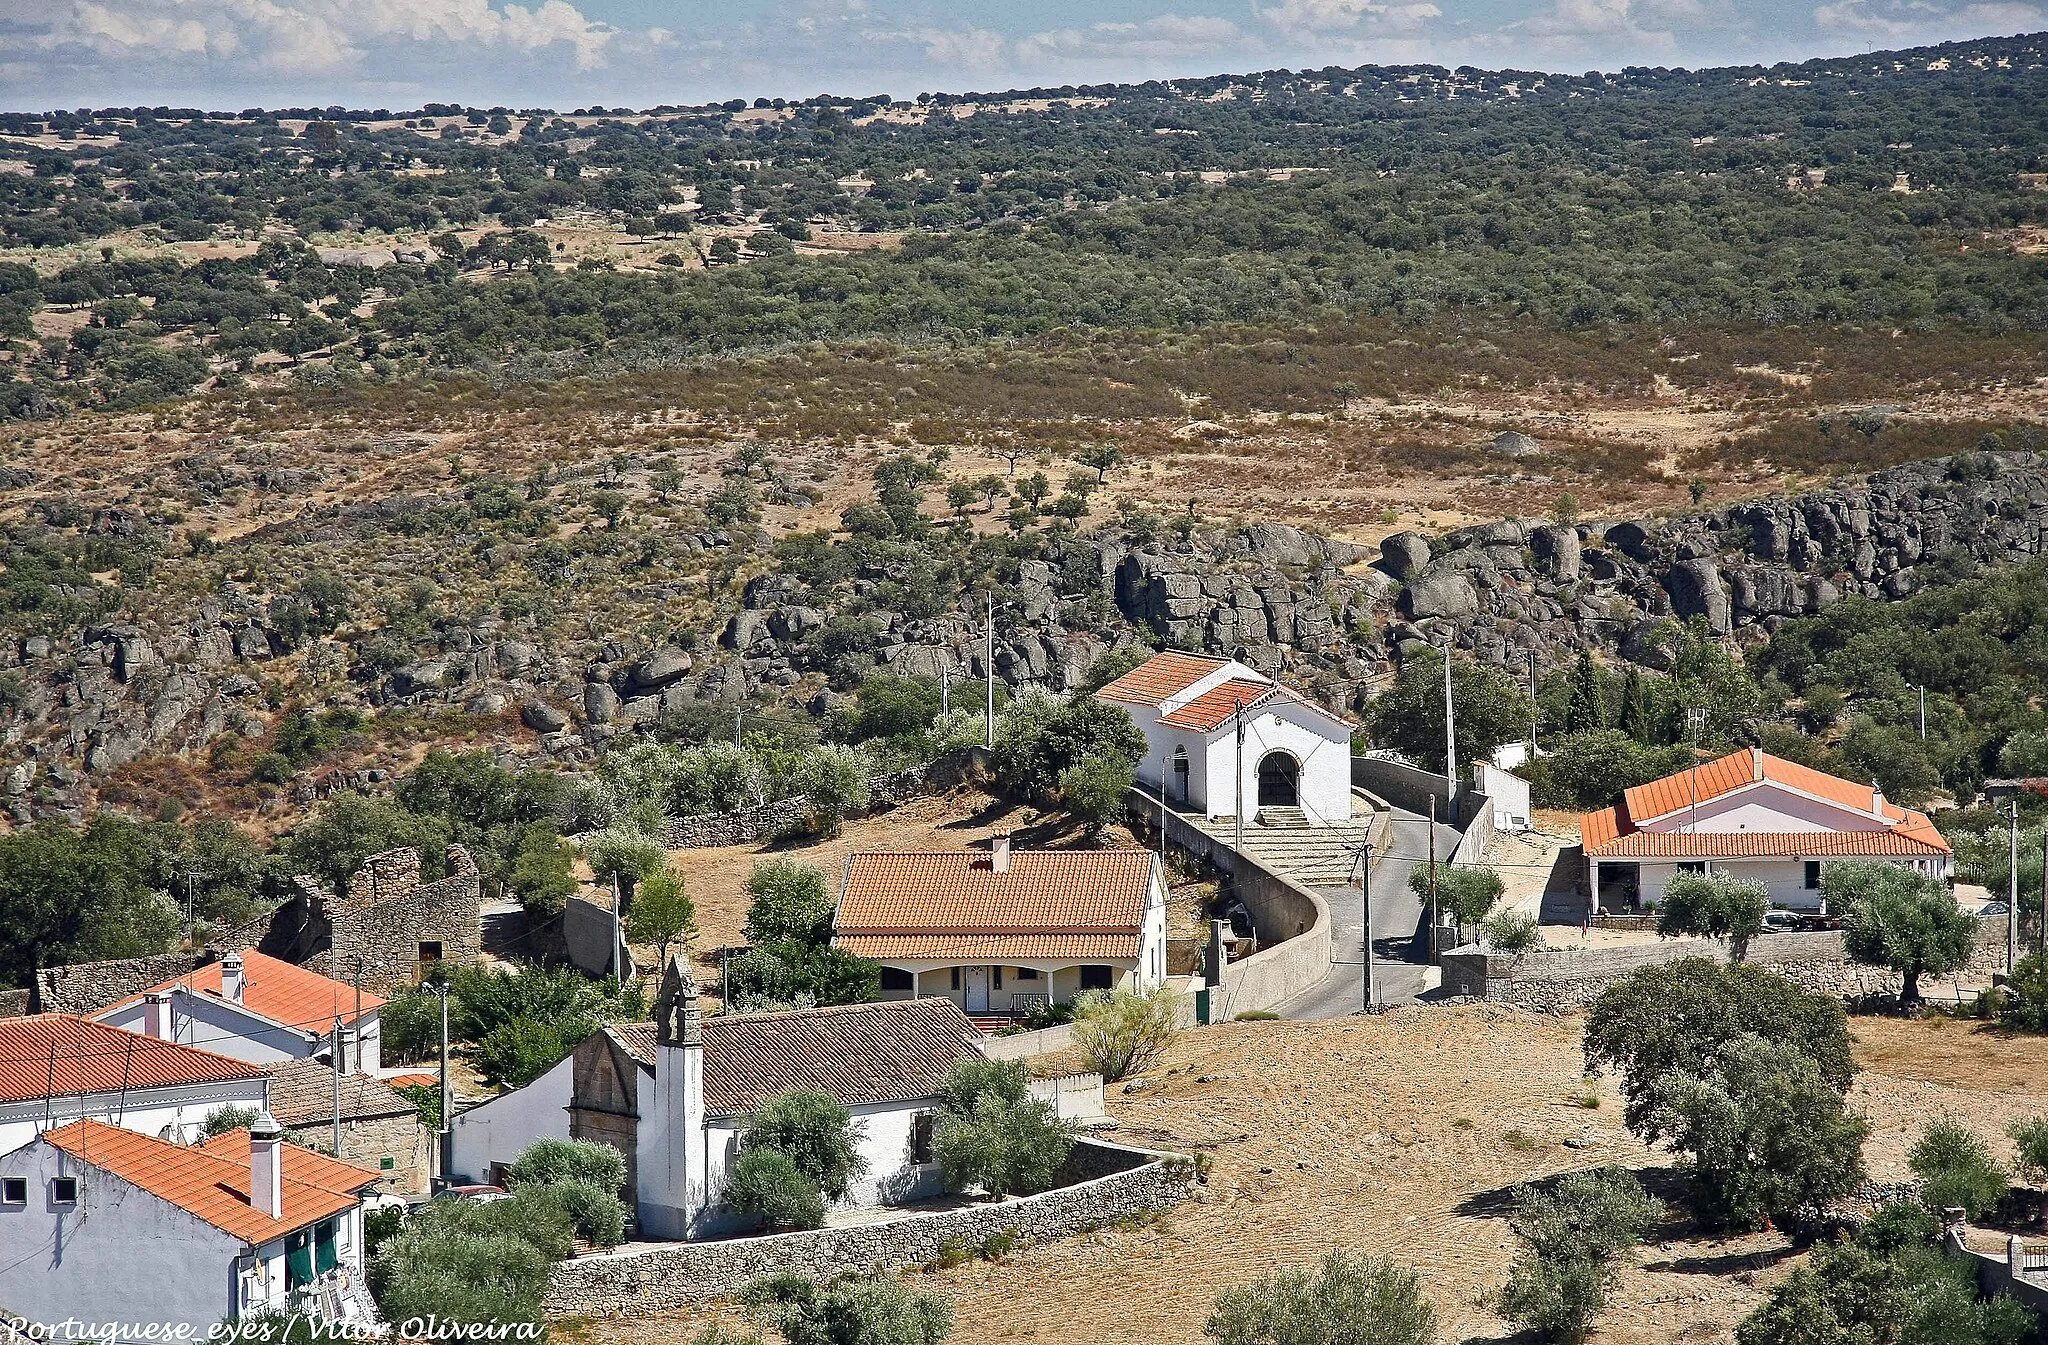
997,972
1812,874
63,1190
13,1190
921,1126
956,977
1027,973
1096,978
895,978
430,950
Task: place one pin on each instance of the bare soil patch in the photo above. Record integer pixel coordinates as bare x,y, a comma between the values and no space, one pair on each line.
1401,1135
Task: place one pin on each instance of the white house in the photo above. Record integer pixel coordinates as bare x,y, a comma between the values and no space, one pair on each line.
1295,765
486,1139
257,1008
674,1096
1000,931
56,1068
1749,815
113,1227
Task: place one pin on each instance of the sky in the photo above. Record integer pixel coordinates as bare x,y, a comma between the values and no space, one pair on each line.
562,54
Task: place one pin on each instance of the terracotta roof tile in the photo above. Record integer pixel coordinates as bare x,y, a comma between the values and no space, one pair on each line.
211,1180
1160,678
896,1051
1763,845
283,992
302,1092
1045,893
992,949
1214,707
1615,832
91,1057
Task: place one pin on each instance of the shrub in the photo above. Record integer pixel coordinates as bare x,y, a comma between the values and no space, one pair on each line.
1123,1032
1347,1300
1676,1017
850,1310
547,1161
1856,1292
1039,737
471,1263
2030,1140
1955,1168
1762,1132
766,1184
596,1212
1896,918
660,913
993,1134
788,972
520,1050
2025,1002
1464,894
541,871
226,1119
624,854
1094,790
1698,905
834,780
790,901
816,1131
1573,1232
1513,933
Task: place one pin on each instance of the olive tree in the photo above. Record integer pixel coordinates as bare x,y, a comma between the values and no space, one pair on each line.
1346,1300
993,1134
1123,1032
1894,917
1713,906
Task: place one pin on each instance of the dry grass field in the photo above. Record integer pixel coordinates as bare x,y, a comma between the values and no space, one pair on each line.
1401,1135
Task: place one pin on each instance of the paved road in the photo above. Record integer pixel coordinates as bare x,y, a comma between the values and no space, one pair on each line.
1397,916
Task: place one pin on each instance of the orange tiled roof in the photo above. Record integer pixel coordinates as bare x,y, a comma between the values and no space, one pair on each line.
1215,706
955,892
892,1051
63,1054
1161,677
992,949
1724,775
211,1180
1765,845
1615,832
281,991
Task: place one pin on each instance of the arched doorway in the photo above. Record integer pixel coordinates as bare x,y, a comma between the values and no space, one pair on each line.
1279,781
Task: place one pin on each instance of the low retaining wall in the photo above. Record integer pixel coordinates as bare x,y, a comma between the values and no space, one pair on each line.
744,826
1572,978
1109,1182
1292,924
1410,788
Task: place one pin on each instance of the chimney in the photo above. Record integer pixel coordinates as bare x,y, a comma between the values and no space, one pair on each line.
999,853
156,1015
266,1165
1756,763
231,977
1876,800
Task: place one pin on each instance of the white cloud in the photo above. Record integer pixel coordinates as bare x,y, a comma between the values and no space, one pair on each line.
316,37
1162,37
1916,21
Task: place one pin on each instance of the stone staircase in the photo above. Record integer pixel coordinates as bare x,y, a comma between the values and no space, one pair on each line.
1312,855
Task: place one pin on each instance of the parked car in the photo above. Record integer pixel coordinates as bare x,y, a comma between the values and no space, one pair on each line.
1995,908
1781,922
479,1194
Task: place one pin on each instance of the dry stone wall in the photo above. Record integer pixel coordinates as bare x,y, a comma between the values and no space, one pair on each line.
1108,1182
1566,979
88,987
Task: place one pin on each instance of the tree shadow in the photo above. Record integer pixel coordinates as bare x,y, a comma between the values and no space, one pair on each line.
1727,1263
1665,1183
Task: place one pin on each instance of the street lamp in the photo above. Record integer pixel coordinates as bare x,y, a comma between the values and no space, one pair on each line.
2009,790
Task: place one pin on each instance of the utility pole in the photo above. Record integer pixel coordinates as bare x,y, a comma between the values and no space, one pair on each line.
190,878
334,1054
1237,770
2043,931
1532,705
2012,903
446,1134
1450,737
1365,900
355,1028
1164,763
988,666
1432,880
1923,714
1695,720
945,690
736,728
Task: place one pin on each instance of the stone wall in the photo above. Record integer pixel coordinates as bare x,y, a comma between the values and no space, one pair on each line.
380,927
88,987
1291,923
368,1141
1107,1182
744,826
1566,979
